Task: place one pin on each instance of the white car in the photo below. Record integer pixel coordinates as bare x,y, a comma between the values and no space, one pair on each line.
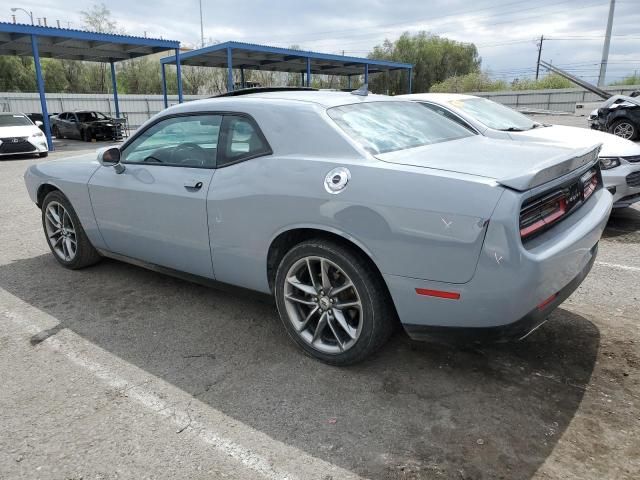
619,158
19,135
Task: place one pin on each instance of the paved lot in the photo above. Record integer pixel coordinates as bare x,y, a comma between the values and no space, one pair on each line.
119,372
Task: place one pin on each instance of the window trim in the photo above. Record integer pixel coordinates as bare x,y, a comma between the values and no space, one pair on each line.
162,119
222,136
468,125
224,139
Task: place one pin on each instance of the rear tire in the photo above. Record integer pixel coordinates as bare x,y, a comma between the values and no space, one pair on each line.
349,303
625,129
64,233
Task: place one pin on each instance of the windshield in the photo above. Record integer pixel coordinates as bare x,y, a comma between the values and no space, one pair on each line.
14,120
90,116
381,127
494,115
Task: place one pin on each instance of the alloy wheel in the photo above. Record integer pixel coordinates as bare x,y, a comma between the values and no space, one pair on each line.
61,232
624,130
323,305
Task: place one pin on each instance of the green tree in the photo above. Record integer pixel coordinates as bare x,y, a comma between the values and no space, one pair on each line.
17,74
98,19
55,79
629,80
434,59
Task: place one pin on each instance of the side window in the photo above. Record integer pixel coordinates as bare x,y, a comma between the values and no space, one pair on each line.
447,114
242,140
62,116
185,141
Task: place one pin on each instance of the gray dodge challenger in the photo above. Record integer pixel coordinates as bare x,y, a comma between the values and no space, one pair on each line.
352,210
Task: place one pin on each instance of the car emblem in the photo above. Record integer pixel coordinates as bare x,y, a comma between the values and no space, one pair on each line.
336,180
15,140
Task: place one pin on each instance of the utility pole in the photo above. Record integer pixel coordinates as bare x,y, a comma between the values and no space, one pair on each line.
539,53
201,27
607,43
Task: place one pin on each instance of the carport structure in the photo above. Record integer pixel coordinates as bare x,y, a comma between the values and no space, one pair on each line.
67,44
247,56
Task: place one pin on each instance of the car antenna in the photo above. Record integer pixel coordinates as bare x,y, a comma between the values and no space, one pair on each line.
363,90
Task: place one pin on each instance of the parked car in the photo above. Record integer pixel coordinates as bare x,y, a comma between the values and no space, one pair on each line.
19,135
619,158
86,126
38,119
351,210
619,115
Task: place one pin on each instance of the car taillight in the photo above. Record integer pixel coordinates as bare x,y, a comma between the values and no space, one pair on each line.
542,213
589,183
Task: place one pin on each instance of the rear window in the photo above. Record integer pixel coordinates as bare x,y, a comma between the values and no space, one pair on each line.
381,127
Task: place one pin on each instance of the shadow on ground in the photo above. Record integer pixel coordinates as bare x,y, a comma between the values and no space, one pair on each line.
413,411
623,223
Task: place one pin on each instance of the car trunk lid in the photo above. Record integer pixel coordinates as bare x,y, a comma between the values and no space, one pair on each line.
517,165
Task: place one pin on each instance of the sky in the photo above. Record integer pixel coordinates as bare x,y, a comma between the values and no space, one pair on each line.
505,31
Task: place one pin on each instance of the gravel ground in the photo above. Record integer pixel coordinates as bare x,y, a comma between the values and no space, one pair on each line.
119,372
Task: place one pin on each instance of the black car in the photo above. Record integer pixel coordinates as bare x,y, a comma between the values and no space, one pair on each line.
86,125
619,115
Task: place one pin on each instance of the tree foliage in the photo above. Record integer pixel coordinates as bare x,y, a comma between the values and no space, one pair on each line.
629,80
482,82
434,59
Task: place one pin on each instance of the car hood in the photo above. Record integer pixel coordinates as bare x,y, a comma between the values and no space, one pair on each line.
517,165
612,146
18,131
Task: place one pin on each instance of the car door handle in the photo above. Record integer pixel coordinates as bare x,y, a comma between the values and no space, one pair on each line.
193,185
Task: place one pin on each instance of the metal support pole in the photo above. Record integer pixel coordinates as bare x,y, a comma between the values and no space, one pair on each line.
164,85
115,89
229,70
43,98
366,73
308,72
302,79
179,75
539,54
242,83
607,43
410,79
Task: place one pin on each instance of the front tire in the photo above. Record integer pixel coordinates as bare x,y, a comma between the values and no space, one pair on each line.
64,233
625,129
332,302
43,154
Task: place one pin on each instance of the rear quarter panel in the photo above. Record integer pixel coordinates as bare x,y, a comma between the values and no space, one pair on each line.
412,221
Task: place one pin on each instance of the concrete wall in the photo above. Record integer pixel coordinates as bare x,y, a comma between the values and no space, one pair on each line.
137,108
561,100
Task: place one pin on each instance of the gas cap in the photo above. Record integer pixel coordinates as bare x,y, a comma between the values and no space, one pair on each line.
337,179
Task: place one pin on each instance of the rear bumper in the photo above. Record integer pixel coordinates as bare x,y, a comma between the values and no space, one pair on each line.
517,330
511,280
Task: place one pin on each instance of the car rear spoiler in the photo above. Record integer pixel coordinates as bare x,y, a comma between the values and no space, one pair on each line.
557,167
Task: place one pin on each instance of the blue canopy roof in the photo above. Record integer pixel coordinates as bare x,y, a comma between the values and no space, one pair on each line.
69,44
262,57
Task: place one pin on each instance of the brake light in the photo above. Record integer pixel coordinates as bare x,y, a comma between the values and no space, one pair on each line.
590,183
542,213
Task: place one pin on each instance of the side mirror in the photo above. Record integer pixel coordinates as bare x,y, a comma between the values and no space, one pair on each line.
110,157
38,123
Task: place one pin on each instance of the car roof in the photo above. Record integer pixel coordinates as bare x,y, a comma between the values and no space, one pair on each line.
7,114
437,97
324,98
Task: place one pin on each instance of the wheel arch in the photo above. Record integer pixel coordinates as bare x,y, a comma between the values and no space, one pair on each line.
43,190
288,238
